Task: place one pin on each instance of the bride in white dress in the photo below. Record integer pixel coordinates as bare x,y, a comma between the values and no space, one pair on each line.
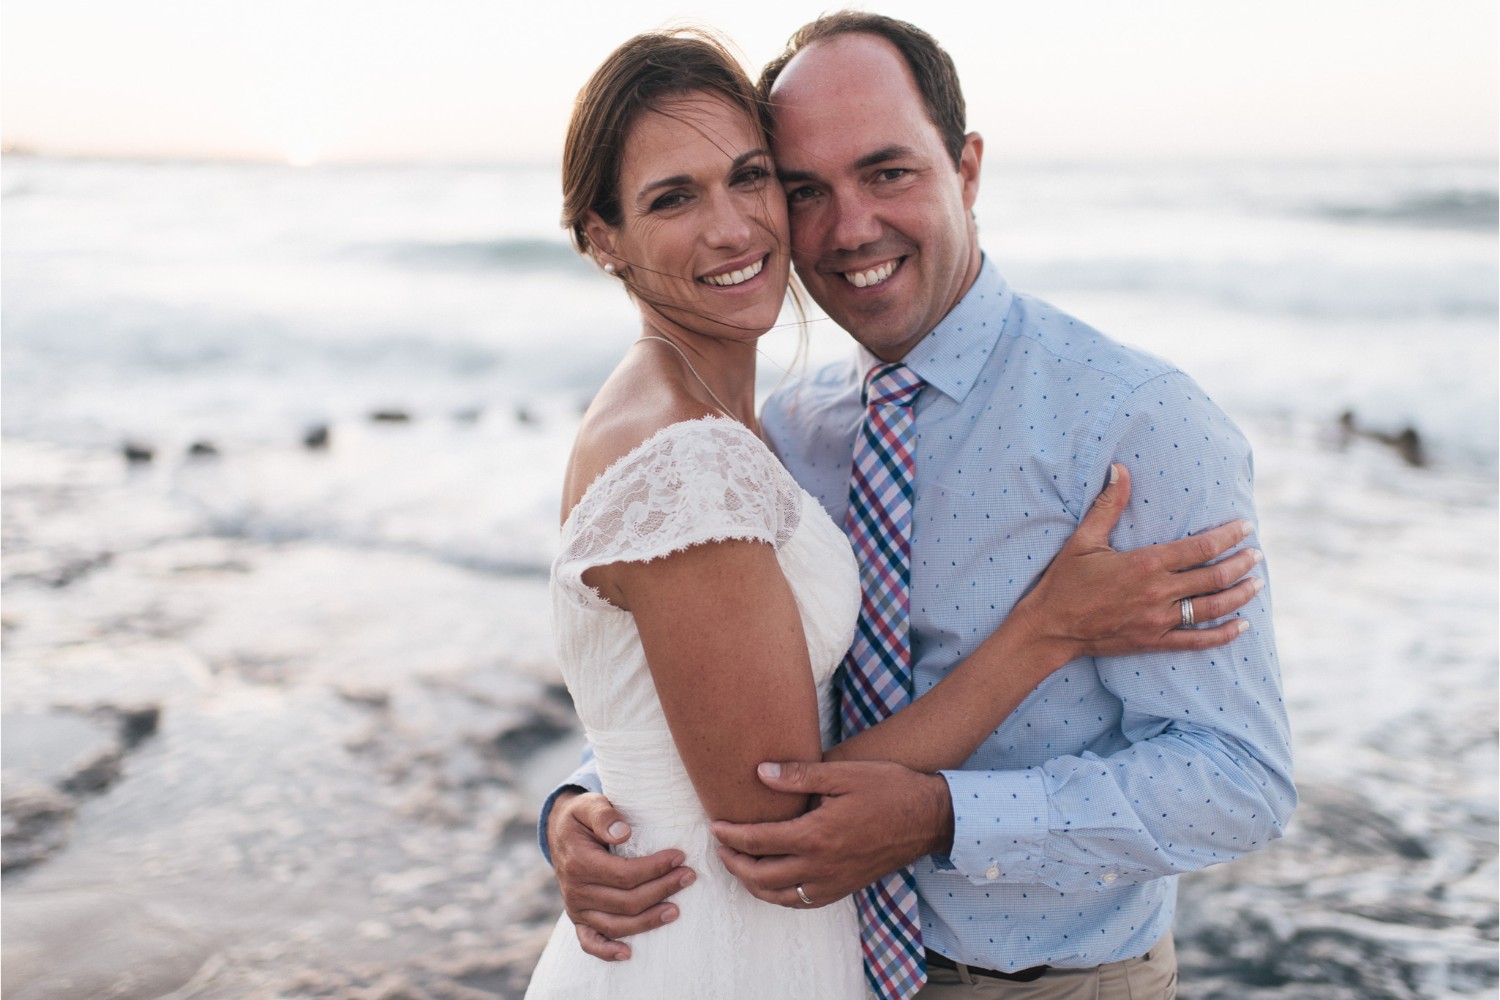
702,600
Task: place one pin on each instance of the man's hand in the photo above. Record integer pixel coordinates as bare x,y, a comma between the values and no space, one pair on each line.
874,817
609,897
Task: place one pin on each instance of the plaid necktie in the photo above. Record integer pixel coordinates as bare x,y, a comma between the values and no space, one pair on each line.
877,669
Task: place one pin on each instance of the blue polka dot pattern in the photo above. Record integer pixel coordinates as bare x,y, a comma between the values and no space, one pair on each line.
1115,774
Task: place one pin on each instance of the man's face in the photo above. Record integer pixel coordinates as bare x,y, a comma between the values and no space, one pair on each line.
881,231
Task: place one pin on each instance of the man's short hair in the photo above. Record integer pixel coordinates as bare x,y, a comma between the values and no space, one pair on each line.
936,76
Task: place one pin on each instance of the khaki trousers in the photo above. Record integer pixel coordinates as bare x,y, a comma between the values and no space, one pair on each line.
1152,976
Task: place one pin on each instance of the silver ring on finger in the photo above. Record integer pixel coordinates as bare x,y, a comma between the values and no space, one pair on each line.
802,895
1185,608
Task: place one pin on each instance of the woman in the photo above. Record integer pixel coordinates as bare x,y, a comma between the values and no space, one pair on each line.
702,600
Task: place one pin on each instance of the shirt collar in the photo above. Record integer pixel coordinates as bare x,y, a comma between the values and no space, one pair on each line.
950,357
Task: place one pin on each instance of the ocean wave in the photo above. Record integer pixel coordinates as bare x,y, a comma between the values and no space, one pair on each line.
1308,289
513,255
1472,210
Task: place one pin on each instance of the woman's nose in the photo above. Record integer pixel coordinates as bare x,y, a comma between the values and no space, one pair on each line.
731,222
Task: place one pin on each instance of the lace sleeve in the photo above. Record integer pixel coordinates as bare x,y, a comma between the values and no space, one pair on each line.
699,481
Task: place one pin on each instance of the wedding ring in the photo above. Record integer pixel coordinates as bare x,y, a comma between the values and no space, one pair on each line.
802,895
1185,607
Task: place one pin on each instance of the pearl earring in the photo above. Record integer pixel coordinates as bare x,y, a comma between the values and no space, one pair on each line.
609,269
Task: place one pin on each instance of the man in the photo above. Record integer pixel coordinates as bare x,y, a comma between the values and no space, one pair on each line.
1046,866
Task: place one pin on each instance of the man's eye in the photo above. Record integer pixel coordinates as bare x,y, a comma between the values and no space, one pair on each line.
892,173
803,193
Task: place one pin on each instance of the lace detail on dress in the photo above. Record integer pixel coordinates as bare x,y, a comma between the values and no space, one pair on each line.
706,480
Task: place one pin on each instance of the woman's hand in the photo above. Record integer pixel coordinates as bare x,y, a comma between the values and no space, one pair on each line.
1095,601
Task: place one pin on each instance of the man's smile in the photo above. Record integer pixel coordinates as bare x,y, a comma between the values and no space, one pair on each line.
872,275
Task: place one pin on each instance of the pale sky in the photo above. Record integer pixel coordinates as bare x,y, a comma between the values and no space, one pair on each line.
463,80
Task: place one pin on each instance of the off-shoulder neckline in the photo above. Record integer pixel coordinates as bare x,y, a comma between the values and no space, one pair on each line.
662,431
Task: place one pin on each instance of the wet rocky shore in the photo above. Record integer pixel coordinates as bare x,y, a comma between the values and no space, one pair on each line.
249,763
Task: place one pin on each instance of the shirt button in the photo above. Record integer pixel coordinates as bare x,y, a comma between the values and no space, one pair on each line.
993,871
1110,877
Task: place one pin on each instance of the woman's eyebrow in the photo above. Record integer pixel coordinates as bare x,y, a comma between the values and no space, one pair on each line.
676,179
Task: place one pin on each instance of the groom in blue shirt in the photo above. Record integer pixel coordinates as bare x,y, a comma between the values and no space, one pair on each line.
1046,866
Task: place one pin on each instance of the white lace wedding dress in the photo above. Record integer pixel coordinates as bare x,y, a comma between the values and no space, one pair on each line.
690,483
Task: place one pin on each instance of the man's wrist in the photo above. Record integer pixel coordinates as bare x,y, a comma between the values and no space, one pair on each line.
1040,648
940,812
557,810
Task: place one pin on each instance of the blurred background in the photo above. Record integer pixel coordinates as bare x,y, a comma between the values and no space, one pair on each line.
293,353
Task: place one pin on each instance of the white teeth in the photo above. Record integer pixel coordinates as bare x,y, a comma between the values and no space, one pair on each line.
874,276
735,277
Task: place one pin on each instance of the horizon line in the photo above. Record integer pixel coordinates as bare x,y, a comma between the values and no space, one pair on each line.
22,150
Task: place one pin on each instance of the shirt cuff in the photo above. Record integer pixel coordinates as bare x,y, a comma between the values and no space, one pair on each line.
585,779
999,825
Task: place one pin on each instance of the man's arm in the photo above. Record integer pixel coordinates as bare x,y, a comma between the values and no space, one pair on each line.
585,778
607,897
1202,772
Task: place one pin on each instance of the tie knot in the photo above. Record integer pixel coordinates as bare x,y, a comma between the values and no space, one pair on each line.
891,385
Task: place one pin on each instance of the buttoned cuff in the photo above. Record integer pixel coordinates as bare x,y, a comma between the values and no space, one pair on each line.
999,825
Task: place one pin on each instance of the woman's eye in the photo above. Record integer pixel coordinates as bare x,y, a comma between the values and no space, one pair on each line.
669,201
751,175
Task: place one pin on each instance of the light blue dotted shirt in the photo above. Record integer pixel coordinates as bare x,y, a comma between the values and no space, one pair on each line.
1115,774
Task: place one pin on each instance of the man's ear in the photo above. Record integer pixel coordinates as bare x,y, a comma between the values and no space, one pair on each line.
968,167
602,237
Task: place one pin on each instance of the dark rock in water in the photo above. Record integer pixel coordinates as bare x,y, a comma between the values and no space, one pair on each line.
136,453
524,416
470,415
49,759
1407,442
316,437
96,774
203,449
532,735
1357,825
559,694
53,759
53,748
390,417
68,571
34,823
136,724
1409,446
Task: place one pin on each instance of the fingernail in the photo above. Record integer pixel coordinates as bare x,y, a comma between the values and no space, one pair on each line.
678,859
770,770
1257,555
687,879
619,830
1241,626
1114,474
667,916
1246,528
1257,584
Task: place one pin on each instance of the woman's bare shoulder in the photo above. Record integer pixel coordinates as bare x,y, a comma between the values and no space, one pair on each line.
628,411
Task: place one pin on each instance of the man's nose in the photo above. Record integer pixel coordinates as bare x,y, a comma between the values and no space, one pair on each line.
854,223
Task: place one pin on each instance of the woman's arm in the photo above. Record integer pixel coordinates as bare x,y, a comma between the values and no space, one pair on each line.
1092,601
724,642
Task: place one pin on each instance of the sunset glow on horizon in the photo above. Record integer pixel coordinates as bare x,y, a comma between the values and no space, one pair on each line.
459,81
